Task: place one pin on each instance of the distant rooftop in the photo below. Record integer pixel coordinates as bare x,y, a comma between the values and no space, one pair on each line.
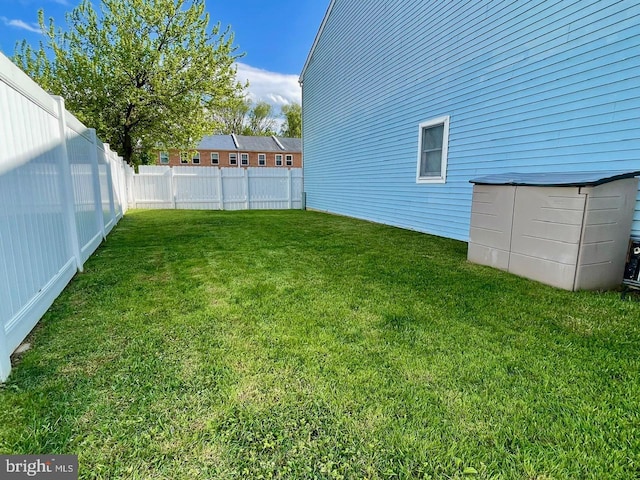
250,144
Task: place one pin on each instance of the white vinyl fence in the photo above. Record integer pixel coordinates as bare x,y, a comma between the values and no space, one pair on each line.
61,192
213,188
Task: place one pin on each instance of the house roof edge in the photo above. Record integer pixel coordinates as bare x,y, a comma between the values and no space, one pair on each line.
315,41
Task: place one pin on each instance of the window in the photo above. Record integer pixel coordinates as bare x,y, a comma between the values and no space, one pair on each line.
278,160
196,158
244,159
233,159
262,159
288,160
184,157
433,141
215,158
164,158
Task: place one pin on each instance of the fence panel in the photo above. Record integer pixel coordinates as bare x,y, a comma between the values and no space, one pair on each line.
213,188
49,223
80,150
197,188
152,190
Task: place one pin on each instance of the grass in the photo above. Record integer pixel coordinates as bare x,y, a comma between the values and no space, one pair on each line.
301,345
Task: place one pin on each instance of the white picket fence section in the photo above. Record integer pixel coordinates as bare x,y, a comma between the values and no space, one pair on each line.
213,188
61,192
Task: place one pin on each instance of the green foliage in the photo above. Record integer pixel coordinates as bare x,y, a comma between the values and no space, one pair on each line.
299,345
232,118
261,121
144,73
292,126
244,118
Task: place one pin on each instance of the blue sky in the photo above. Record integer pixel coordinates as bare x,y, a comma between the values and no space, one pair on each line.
275,36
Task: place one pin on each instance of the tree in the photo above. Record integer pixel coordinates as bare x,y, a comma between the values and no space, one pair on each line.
261,120
292,126
144,73
232,118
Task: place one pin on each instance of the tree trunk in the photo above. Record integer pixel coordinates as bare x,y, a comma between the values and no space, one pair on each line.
127,146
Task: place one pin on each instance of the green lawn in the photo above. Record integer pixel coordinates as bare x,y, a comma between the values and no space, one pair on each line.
301,345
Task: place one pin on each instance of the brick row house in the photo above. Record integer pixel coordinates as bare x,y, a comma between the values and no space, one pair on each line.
238,151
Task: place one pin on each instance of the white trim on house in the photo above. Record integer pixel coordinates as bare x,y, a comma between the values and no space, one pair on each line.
281,160
278,142
244,159
233,156
262,159
217,157
315,41
442,178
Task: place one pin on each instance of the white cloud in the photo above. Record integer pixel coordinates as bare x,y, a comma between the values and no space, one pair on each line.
277,89
31,27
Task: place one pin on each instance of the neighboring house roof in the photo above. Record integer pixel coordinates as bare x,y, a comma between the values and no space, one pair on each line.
250,144
315,41
290,144
217,142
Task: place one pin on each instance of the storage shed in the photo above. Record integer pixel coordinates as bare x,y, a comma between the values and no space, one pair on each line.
568,230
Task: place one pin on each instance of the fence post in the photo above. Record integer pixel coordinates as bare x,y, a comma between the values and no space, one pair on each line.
220,191
131,188
112,208
172,179
66,187
5,355
289,189
97,196
246,188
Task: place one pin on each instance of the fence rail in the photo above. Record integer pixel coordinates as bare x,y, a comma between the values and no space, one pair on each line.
61,193
214,188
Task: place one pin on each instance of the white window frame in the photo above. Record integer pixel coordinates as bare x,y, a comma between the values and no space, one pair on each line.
288,160
262,159
242,159
164,158
278,160
194,157
233,159
215,156
442,178
184,158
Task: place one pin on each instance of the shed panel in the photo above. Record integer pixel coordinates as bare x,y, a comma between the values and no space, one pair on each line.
608,217
492,213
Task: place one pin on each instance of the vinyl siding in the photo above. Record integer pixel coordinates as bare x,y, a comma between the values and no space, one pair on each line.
529,86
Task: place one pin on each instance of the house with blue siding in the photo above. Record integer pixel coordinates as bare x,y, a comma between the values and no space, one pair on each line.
404,102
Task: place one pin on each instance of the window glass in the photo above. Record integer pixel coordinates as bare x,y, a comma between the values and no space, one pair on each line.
432,155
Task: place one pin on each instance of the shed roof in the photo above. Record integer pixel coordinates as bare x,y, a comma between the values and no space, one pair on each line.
555,179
